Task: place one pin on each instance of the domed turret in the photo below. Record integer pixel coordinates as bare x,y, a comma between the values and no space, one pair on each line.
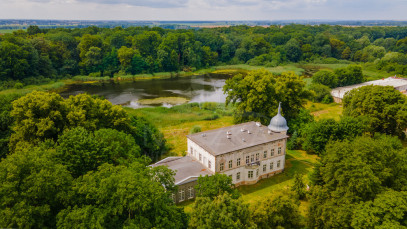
278,122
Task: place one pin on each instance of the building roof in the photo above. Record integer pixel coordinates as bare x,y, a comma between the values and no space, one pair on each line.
237,137
186,168
278,122
395,82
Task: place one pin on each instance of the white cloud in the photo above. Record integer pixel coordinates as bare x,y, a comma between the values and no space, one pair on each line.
204,9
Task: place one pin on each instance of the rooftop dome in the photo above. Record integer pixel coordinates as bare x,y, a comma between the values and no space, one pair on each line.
278,122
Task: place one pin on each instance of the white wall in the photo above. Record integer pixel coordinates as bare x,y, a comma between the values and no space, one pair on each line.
225,158
205,156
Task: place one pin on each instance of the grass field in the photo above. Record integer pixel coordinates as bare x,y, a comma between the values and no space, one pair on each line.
320,110
4,31
176,122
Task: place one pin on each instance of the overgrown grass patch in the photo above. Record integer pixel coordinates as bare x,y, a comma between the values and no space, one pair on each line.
176,122
324,111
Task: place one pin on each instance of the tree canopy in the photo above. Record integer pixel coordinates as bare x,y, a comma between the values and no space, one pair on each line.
257,95
385,108
351,176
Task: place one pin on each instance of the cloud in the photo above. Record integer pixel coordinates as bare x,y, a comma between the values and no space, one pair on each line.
204,9
146,3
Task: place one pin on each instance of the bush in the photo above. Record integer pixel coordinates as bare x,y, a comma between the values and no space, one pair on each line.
325,77
322,93
195,129
209,106
212,117
18,86
94,74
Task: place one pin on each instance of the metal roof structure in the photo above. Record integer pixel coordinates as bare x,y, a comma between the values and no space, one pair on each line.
398,83
186,168
233,138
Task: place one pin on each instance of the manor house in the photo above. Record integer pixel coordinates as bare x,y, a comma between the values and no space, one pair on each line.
246,152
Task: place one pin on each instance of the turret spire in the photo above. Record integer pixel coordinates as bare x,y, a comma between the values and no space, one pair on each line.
278,122
279,108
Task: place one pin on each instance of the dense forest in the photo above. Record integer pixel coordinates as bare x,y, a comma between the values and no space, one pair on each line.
35,55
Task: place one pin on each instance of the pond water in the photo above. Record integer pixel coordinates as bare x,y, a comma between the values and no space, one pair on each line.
156,92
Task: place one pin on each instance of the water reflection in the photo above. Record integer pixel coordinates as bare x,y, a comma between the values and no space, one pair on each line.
204,88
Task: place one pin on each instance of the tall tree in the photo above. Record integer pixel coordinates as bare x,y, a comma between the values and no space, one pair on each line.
279,211
120,196
33,189
257,95
222,212
385,108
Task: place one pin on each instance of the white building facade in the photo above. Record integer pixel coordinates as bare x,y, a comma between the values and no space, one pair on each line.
246,152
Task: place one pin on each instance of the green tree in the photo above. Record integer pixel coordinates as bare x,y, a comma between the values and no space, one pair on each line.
279,211
93,59
33,189
6,122
82,151
120,196
316,135
387,210
215,185
322,93
298,187
384,107
38,116
257,95
293,49
222,212
352,173
326,78
349,75
148,137
125,56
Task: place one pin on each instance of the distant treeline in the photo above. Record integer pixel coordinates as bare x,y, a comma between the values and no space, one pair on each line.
36,54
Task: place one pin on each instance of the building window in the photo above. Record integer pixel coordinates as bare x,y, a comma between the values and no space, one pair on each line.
271,165
191,150
250,174
230,164
209,164
247,160
279,150
238,176
265,154
278,164
173,197
200,157
190,192
252,158
181,195
222,166
264,168
231,177
257,156
272,152
257,172
238,162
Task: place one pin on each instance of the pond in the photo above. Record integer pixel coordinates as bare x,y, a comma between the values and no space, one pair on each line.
156,92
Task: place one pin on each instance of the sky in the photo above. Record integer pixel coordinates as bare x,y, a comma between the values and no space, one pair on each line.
211,10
